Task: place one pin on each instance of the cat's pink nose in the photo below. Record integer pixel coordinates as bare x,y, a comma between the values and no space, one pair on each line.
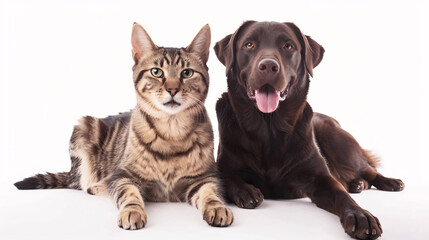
172,91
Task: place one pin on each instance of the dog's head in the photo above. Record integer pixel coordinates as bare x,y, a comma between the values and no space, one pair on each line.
268,59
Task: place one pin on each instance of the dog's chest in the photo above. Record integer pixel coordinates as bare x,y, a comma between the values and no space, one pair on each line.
276,174
277,184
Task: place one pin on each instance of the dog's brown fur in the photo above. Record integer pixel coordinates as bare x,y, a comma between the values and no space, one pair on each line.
289,152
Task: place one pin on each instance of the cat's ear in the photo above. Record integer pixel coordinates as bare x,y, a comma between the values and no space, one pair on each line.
201,43
141,42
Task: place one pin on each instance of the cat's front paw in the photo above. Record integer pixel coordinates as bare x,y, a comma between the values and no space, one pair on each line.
218,216
132,217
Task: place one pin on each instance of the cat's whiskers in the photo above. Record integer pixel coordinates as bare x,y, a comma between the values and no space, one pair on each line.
197,107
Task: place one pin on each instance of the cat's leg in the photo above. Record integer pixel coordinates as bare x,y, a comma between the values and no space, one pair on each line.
100,188
86,143
205,196
130,203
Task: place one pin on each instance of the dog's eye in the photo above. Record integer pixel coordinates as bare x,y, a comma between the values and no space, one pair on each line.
187,73
288,46
156,72
249,45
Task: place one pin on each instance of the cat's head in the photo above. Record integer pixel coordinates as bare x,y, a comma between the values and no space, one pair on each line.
170,80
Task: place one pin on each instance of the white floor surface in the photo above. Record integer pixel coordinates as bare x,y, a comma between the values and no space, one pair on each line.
70,214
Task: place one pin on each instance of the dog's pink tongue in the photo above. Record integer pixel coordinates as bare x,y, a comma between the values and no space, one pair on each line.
267,99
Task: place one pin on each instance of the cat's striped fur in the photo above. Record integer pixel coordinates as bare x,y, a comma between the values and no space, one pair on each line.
160,151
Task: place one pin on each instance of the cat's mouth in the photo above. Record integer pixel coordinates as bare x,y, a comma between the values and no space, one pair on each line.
172,103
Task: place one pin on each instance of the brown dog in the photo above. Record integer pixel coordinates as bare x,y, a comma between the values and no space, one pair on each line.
271,143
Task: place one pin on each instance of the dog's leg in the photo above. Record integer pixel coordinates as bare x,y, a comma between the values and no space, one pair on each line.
244,195
344,156
351,165
357,185
329,194
381,182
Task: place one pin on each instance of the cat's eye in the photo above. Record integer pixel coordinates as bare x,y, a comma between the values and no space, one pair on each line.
249,45
187,73
156,72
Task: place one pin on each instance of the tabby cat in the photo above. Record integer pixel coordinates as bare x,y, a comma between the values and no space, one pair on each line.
160,151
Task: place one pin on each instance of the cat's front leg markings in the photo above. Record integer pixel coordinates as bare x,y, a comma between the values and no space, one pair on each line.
207,199
130,203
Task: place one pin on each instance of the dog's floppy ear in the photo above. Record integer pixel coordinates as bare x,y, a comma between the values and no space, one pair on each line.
224,49
311,50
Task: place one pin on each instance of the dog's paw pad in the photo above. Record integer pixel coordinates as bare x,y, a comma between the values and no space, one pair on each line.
248,197
361,224
356,186
390,184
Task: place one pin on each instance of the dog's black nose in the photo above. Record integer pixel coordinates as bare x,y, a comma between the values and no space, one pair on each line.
269,66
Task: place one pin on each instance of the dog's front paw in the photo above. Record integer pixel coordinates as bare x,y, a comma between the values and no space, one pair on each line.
132,217
389,184
247,196
356,186
361,224
218,216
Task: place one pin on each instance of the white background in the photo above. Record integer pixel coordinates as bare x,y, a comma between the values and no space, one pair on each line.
60,60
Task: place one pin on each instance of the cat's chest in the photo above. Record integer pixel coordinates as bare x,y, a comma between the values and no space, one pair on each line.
163,180
164,160
162,177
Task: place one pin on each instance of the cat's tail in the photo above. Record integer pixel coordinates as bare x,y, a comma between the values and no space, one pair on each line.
44,181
